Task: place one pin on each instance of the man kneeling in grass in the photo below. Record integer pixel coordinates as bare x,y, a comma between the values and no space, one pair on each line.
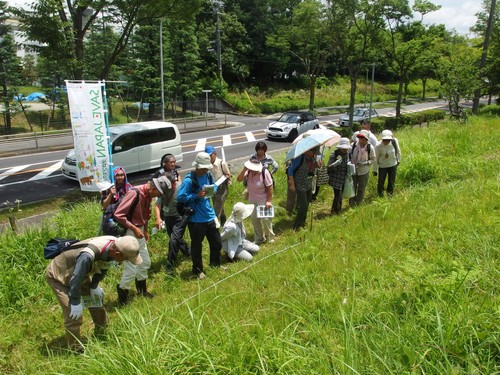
77,272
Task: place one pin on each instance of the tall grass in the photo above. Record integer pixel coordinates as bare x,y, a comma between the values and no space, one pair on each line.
397,286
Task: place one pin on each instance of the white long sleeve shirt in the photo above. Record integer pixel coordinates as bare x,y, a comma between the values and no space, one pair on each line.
387,155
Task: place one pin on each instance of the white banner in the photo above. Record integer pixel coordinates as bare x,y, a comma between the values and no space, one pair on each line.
90,134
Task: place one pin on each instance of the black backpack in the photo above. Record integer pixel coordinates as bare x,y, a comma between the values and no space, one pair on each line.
56,246
112,227
183,208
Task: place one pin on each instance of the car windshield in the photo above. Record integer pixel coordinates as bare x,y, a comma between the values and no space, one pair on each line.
289,117
359,112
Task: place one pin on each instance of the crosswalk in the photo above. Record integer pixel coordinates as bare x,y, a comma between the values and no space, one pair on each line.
226,141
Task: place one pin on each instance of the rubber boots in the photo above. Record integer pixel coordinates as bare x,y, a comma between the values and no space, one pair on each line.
122,295
142,289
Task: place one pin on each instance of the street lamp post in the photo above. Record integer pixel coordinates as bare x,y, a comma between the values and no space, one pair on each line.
371,92
206,104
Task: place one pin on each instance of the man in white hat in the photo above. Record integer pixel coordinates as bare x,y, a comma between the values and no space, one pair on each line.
366,125
362,156
388,156
134,215
220,168
202,220
77,272
233,234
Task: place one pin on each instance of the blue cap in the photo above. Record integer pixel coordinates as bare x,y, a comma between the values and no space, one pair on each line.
209,150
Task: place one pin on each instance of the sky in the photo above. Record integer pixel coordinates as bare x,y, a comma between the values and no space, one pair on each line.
455,14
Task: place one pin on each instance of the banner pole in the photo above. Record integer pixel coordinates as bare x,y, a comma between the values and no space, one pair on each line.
106,121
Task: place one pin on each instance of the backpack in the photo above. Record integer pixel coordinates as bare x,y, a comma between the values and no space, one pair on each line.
368,148
264,178
56,246
183,208
110,225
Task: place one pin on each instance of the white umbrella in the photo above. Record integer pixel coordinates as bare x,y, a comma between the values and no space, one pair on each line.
334,137
308,142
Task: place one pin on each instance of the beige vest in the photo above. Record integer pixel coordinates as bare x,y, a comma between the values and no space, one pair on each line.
62,266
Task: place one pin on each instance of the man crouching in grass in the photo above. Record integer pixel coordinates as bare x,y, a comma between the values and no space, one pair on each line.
77,272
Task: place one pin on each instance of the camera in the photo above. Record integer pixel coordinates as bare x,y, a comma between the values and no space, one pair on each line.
188,211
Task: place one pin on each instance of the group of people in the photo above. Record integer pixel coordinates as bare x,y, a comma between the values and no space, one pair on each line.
353,161
197,202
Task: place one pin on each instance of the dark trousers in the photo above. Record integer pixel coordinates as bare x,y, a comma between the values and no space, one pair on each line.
390,174
303,199
360,183
176,227
337,201
198,231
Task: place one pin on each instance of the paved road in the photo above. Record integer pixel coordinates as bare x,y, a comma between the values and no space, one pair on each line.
35,177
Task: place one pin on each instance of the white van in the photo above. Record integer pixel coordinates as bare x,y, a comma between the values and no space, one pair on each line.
136,147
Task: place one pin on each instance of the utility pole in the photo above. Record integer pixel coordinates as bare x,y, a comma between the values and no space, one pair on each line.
162,83
218,6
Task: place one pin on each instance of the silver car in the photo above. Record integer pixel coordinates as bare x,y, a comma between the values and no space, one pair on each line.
290,125
359,115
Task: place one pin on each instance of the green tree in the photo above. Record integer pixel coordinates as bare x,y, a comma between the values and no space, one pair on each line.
260,19
353,26
60,27
306,39
488,26
186,63
403,43
458,72
426,66
29,72
235,48
9,66
144,69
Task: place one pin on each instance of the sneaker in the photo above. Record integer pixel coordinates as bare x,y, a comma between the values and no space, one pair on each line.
201,276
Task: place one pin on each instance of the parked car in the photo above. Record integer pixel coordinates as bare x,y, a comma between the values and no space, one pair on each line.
290,125
136,147
359,115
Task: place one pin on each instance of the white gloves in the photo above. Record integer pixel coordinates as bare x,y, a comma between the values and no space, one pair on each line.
76,311
97,292
335,163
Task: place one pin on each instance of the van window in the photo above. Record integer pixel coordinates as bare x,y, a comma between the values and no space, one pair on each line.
146,137
167,134
126,142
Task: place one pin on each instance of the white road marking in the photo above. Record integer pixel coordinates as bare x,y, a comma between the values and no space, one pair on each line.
200,145
250,136
226,140
11,171
47,171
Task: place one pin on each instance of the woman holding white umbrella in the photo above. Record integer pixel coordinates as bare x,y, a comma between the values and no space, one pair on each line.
300,176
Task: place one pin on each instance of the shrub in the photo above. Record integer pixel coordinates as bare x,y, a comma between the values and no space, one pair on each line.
490,110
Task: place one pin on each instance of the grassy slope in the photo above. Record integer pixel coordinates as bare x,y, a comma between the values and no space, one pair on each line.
406,285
